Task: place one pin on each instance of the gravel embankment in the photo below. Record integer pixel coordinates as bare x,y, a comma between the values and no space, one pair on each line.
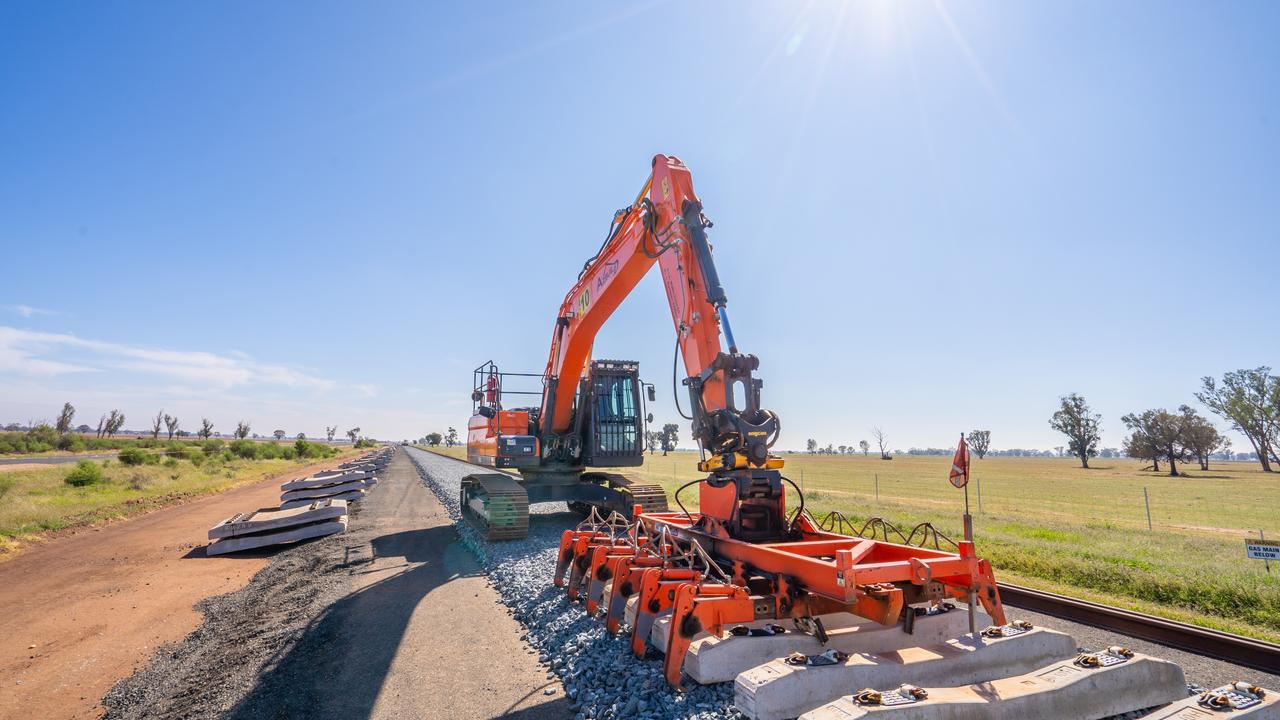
601,676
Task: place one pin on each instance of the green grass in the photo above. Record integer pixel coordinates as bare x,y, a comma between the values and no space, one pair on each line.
1050,524
35,501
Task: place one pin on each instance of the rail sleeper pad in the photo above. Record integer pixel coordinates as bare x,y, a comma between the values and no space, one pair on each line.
711,659
778,690
1245,706
326,491
292,534
1060,691
322,480
353,496
274,519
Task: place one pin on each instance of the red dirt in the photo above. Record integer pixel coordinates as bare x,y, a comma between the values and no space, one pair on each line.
82,611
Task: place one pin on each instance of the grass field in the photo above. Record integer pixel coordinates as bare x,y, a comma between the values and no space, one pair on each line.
1052,525
37,500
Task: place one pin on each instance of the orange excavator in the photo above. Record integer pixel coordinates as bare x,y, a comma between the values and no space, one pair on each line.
591,411
742,557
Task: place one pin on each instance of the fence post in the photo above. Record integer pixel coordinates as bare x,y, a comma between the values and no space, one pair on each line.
1147,499
979,481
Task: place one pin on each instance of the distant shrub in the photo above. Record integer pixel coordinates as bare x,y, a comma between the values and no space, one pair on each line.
43,434
70,442
246,449
289,452
132,456
213,447
308,449
86,472
269,451
171,462
365,443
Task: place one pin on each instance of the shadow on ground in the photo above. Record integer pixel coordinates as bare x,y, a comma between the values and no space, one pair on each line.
338,666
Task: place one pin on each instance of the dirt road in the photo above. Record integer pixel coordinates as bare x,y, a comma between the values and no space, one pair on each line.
391,619
81,611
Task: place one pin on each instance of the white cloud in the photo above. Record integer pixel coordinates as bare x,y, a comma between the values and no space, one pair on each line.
27,311
27,352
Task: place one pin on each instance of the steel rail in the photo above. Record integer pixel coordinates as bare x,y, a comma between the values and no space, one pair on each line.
1236,649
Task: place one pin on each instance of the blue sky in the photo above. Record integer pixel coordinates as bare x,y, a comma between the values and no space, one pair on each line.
928,216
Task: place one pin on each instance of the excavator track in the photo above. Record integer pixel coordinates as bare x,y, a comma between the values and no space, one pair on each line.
650,497
496,505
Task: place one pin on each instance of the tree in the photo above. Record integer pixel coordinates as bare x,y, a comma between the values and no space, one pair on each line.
842,448
670,437
242,430
1158,434
279,434
1250,401
651,438
303,436
1202,439
354,432
451,437
64,418
329,431
864,446
155,425
206,428
881,438
434,439
115,421
980,442
811,445
83,429
102,425
1080,424
171,424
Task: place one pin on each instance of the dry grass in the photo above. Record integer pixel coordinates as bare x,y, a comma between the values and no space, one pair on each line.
35,501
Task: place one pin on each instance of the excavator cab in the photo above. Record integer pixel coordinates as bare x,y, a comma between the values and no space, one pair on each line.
610,409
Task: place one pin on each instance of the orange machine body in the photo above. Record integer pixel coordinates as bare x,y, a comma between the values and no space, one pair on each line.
501,441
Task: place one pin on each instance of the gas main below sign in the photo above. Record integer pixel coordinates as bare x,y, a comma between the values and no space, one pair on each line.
1262,549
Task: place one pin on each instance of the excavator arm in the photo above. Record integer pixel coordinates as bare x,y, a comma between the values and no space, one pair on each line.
665,225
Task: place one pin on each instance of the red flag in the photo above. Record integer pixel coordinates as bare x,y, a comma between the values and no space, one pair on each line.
960,465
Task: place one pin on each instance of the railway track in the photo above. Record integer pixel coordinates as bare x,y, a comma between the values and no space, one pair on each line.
1237,649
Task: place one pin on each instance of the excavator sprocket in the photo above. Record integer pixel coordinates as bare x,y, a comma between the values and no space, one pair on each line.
496,505
650,497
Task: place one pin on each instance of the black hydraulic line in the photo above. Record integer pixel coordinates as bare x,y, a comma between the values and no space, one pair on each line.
675,361
680,490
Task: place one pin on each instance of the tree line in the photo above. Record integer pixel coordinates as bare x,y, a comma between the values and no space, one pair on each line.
111,423
1249,400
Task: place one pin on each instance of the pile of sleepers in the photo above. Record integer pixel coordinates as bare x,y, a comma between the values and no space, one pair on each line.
310,507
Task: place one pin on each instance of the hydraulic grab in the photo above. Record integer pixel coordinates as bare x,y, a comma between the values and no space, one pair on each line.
742,556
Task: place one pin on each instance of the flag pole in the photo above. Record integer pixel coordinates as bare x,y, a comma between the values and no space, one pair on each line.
971,600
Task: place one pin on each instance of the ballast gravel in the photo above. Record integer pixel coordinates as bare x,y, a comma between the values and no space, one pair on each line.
601,676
